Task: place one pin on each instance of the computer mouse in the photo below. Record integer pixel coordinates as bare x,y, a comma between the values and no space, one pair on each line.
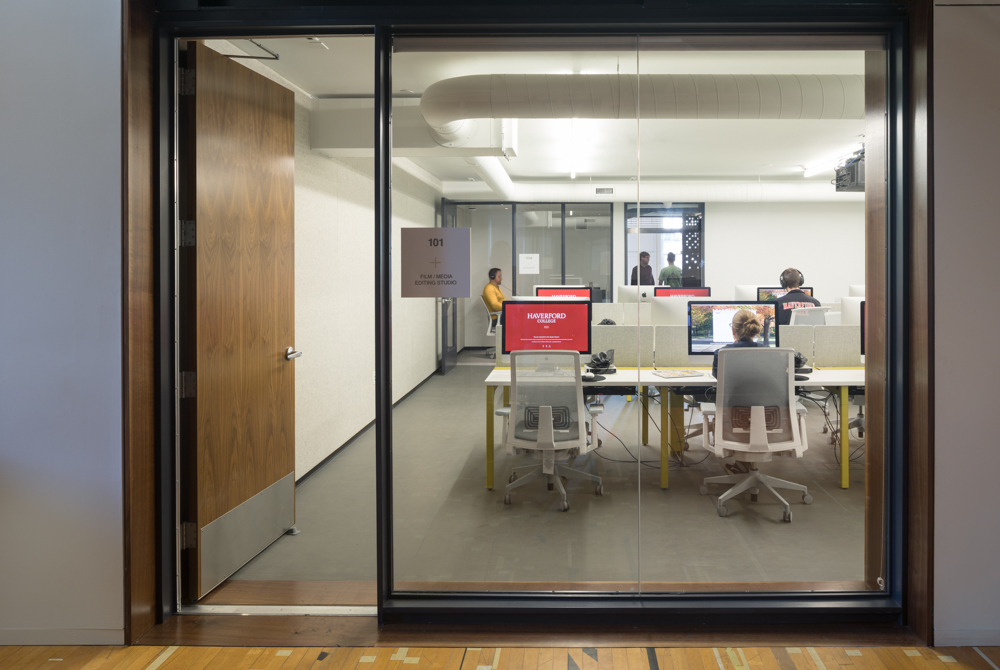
587,376
801,378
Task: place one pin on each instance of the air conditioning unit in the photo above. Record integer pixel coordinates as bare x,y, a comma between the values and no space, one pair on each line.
851,176
607,190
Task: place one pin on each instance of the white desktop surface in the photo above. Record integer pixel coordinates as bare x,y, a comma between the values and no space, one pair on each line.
645,377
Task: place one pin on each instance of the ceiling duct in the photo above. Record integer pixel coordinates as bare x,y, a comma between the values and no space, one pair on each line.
450,105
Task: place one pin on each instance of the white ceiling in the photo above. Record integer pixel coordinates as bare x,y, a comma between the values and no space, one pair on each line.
606,150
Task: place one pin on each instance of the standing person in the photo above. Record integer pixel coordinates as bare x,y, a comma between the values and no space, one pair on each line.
791,280
670,275
642,273
492,293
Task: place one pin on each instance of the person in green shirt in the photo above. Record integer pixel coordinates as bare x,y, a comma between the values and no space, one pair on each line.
670,275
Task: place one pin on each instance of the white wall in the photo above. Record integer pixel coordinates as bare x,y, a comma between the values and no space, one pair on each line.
61,573
752,243
966,240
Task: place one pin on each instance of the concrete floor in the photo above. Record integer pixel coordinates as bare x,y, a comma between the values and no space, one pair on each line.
448,527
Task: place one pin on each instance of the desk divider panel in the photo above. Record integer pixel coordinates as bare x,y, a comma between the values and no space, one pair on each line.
837,346
644,315
799,338
623,339
608,310
671,344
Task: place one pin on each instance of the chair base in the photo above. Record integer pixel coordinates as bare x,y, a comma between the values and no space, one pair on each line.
752,481
559,471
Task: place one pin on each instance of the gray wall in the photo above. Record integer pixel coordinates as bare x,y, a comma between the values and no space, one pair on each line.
60,330
966,240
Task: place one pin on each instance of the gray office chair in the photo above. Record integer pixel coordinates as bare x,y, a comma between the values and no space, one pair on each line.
547,418
492,318
756,415
809,316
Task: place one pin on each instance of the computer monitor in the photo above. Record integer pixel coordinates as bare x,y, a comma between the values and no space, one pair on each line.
550,291
635,293
710,324
857,290
538,325
850,310
690,292
669,310
746,292
772,293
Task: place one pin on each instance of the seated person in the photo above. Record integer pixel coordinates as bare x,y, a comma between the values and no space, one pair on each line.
746,326
791,279
642,273
493,294
670,275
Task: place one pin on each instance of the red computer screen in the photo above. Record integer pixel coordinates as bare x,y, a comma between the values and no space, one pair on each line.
563,292
684,292
546,324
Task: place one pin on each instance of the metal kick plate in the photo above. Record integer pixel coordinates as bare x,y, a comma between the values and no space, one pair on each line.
243,532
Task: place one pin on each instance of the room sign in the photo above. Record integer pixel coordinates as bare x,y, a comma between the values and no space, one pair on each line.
435,262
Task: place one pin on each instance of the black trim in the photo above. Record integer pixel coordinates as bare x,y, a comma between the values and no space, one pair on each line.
383,314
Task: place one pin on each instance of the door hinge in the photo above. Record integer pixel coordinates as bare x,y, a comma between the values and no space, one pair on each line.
189,535
189,235
185,81
189,385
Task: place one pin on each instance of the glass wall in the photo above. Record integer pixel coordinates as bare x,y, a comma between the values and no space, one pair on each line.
538,240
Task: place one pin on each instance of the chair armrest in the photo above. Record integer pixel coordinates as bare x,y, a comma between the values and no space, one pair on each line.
596,408
708,408
503,411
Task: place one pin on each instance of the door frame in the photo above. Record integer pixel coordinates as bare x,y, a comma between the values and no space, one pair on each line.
909,339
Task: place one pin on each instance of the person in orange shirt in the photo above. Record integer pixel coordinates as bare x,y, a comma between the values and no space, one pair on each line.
492,293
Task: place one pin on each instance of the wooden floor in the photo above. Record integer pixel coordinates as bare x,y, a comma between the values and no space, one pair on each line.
498,658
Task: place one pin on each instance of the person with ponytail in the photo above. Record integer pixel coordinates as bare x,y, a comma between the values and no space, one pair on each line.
746,326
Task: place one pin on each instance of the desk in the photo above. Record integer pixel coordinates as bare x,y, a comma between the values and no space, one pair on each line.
672,407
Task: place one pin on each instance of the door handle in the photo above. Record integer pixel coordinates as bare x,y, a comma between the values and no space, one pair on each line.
290,353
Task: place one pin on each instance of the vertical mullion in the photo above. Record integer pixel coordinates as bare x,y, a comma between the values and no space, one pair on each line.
383,314
513,249
563,244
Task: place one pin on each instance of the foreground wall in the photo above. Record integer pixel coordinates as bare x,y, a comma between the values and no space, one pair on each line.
966,240
61,580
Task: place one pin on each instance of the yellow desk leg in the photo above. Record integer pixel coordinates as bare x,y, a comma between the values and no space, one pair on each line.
644,400
845,433
666,397
490,392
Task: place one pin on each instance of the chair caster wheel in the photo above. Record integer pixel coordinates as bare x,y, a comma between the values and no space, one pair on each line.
825,429
723,511
506,499
513,478
564,506
599,490
807,499
787,517
703,490
552,486
753,497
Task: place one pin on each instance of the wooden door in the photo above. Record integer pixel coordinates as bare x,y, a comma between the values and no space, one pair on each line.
237,318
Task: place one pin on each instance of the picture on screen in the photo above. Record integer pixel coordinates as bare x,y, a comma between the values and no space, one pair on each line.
710,325
546,325
771,294
685,292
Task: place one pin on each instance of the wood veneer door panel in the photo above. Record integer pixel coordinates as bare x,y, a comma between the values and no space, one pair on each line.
242,196
876,251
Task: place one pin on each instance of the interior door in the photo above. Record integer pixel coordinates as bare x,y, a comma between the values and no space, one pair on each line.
236,316
449,306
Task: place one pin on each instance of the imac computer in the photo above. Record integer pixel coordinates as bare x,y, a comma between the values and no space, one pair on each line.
710,324
551,291
642,293
772,293
553,323
850,310
692,292
669,311
746,292
856,290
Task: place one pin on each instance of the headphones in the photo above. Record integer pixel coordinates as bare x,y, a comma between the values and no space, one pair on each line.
784,284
